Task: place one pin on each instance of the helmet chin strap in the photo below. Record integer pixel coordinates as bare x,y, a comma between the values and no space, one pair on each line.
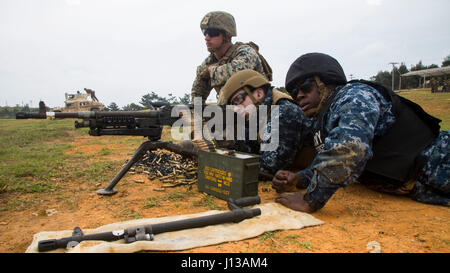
319,83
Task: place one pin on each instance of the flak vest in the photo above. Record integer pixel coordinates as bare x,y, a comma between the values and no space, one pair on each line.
227,59
396,157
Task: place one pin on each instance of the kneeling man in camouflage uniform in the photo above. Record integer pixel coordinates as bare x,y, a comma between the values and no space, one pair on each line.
226,57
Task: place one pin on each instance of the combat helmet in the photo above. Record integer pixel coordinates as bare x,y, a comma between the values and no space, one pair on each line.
315,64
219,20
247,79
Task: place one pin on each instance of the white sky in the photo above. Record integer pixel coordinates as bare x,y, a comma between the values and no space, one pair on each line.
124,49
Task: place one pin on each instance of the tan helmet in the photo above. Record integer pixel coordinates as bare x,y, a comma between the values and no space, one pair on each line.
220,20
241,80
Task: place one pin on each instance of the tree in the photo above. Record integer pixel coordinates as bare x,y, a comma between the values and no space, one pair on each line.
407,82
402,69
113,107
418,66
172,99
132,107
26,108
446,61
186,99
147,100
383,77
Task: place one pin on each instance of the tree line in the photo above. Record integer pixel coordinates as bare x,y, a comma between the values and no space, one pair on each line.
385,77
147,100
9,112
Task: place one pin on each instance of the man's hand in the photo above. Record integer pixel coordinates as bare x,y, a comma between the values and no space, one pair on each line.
294,201
284,181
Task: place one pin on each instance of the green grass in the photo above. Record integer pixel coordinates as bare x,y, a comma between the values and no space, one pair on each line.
105,151
207,201
151,202
266,235
126,214
28,155
33,158
94,172
435,104
32,152
24,132
305,244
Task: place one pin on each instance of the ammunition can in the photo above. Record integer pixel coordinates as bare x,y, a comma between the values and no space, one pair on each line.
228,174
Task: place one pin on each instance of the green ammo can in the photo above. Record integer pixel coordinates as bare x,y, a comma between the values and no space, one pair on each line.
228,174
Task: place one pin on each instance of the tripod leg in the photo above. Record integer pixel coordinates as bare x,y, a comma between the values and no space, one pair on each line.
138,154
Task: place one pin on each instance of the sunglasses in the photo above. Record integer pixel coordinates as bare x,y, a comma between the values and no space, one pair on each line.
305,87
239,98
212,32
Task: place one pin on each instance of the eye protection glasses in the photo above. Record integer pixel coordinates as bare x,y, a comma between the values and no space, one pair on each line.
212,32
305,87
239,98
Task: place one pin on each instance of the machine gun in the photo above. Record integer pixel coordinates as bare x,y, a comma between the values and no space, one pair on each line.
147,232
130,123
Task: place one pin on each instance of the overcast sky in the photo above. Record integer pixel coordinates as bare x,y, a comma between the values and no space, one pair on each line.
124,49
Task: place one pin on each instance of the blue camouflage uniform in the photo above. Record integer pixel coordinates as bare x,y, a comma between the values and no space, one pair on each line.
294,128
357,114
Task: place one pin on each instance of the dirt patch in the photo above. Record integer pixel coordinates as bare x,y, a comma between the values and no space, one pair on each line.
354,217
111,152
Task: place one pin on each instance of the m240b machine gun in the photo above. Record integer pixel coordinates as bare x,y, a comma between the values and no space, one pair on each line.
131,123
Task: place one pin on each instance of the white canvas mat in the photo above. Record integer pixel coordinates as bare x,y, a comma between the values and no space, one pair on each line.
273,217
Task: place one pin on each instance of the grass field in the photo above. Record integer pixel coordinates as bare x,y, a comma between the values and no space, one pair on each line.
28,156
32,152
436,104
50,165
33,155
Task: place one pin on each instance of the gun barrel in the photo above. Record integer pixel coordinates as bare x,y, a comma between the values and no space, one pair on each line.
88,114
137,114
36,115
80,115
27,115
235,216
52,244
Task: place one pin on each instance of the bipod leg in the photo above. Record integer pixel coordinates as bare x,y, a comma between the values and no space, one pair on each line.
138,154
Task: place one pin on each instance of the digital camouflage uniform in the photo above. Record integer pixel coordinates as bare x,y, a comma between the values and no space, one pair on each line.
244,57
357,114
433,185
294,128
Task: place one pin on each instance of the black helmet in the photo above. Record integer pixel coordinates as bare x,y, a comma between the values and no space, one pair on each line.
308,65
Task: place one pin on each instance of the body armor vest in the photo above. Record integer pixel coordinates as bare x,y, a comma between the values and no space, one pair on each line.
396,154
